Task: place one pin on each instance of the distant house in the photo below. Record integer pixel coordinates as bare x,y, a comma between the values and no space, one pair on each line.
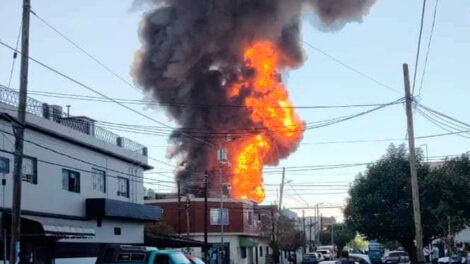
463,236
240,220
82,185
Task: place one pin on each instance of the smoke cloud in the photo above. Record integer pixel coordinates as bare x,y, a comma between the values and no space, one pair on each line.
192,51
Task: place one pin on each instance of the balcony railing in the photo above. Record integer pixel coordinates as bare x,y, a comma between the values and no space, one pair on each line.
81,124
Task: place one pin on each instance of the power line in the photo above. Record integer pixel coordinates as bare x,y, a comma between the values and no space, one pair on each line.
147,102
351,68
444,115
429,47
71,157
15,54
105,96
443,125
419,45
84,51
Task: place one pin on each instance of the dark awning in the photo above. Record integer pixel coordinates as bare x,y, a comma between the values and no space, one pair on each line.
52,227
162,241
107,208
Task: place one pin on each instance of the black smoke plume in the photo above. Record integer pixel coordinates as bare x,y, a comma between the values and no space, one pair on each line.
192,51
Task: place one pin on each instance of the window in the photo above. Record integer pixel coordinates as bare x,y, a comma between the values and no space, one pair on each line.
70,180
29,170
4,165
124,257
161,259
138,257
243,252
99,180
123,187
250,218
117,231
260,251
215,216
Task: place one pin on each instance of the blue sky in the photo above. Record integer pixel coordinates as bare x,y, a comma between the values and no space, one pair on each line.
378,46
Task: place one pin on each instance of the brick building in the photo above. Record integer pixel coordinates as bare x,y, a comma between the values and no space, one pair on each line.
240,220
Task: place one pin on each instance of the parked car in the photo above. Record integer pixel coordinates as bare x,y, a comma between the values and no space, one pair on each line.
452,260
396,257
360,258
326,253
330,262
120,254
310,259
319,256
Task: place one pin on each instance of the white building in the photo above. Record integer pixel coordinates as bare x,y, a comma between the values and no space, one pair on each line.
82,185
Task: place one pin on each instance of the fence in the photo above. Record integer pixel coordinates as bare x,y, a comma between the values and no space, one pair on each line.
81,124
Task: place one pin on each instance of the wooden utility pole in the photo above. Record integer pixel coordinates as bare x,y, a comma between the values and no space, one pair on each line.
179,206
310,246
19,135
282,189
414,173
188,206
206,222
305,231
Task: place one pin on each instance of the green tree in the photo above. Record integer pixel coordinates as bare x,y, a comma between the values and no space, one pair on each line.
342,235
358,243
380,205
287,237
446,196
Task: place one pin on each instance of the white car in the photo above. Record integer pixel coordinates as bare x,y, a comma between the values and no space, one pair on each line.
325,253
330,262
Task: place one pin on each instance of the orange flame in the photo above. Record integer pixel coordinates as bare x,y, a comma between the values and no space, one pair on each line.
270,107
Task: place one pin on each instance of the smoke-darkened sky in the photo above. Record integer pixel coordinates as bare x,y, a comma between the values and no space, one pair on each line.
192,51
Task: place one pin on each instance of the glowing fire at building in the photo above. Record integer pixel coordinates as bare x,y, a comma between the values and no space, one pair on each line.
271,109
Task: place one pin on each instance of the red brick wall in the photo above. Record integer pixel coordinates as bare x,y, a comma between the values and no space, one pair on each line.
196,215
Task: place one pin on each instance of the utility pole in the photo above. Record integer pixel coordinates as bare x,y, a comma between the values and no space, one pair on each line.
221,215
414,173
19,135
310,236
282,188
206,176
188,206
333,239
305,231
273,237
179,206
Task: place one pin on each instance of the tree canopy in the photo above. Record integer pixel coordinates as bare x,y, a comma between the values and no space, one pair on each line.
380,203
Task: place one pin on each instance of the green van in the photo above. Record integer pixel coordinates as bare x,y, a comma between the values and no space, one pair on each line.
124,254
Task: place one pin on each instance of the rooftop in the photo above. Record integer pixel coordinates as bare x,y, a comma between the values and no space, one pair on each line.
81,124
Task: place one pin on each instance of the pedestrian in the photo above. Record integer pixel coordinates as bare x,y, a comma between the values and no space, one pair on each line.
434,254
426,253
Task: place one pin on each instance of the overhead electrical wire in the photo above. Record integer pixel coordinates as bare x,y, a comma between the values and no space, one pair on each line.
428,48
15,54
419,46
105,96
364,75
88,54
183,104
55,151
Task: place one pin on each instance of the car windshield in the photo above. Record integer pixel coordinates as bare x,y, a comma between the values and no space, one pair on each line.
179,258
197,260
